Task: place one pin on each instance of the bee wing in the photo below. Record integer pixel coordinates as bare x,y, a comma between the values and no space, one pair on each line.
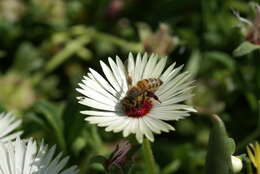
129,78
129,81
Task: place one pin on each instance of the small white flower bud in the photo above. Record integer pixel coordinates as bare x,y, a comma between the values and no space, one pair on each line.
236,164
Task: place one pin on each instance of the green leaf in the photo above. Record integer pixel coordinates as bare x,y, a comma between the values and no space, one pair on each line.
245,48
78,145
193,65
27,58
172,167
231,145
2,53
71,48
73,120
53,115
2,109
220,149
98,159
222,58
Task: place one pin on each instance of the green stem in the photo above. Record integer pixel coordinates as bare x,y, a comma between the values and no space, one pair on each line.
248,166
148,157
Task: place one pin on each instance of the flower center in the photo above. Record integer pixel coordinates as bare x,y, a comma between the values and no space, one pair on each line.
140,111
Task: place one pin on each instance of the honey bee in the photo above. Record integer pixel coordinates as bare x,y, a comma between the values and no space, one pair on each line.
142,91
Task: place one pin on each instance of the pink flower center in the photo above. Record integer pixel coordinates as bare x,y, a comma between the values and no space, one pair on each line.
140,111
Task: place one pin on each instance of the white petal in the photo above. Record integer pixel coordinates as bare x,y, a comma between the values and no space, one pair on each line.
110,76
4,160
131,127
177,99
173,94
160,124
11,156
96,96
145,129
11,137
127,129
117,75
185,87
159,67
61,165
153,127
56,164
115,124
29,155
138,69
150,66
98,113
19,155
94,85
142,66
167,73
101,121
46,157
97,105
134,126
139,133
7,125
103,82
167,86
9,128
161,107
123,126
169,115
123,74
167,82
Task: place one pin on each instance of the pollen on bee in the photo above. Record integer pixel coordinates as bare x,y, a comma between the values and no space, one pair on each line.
140,111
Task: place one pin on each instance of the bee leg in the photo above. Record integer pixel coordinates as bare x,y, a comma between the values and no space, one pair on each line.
143,97
140,100
152,95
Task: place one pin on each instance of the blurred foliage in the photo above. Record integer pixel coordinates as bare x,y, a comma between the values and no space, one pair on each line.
47,45
220,149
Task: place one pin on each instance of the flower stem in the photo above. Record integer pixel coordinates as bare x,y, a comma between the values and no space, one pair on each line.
148,157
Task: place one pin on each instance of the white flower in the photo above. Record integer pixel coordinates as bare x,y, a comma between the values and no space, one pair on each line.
8,124
104,96
23,157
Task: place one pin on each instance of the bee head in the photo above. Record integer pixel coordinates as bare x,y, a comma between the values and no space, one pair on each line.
128,103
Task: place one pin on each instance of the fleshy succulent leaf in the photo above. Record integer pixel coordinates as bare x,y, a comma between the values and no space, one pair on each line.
220,149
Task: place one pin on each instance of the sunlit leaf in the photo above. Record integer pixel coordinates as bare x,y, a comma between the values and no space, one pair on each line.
245,48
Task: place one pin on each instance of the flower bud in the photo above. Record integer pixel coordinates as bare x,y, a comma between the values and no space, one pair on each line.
236,164
161,42
251,29
121,158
